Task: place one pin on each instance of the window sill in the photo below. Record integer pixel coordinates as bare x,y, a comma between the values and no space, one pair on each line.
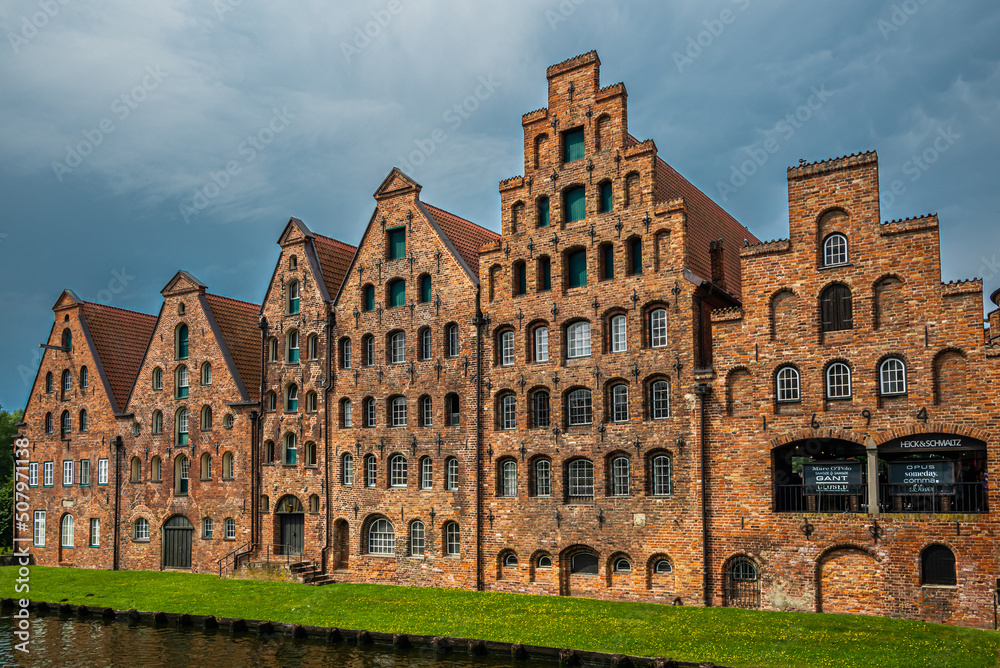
946,587
229,478
140,540
825,267
290,466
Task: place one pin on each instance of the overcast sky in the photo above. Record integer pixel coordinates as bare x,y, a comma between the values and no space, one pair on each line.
118,121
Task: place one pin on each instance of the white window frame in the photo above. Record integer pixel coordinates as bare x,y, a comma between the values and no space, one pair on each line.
33,474
397,347
543,477
345,354
580,478
347,469
541,342
369,350
621,476
381,537
658,328
102,471
399,412
95,532
84,476
892,377
661,484
508,479
67,474
230,524
659,405
426,412
835,250
619,403
788,385
371,412
580,409
619,333
348,409
38,539
49,474
838,381
398,470
578,340
507,348
451,331
371,471
453,539
141,529
418,539
508,412
426,343
426,473
451,471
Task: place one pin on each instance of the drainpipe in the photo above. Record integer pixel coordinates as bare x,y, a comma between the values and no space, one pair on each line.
480,321
118,492
704,390
331,320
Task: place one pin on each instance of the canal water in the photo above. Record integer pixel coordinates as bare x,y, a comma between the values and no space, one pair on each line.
74,642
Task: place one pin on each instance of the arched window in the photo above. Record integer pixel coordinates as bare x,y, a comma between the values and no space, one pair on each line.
544,562
621,476
314,503
510,560
228,468
606,261
424,336
417,539
181,382
206,466
426,473
425,289
206,418
838,381
622,566
292,398
135,467
181,476
140,531
368,350
787,385
48,383
506,352
584,563
540,413
83,420
291,451
84,378
293,262
396,293
312,402
368,297
742,586
543,274
662,567
271,402
230,528
836,311
634,250
543,478
347,469
312,347
397,411
451,474
292,346
155,470
659,400
48,423
181,342
181,428
578,340
371,471
575,204
272,349
397,471
207,528
519,278
937,566
268,452
292,303
619,403
397,347
619,333
67,340
157,378
452,539
508,478
451,410
426,411
576,268
206,374
892,377
581,478
368,407
67,384
345,353
835,250
157,423
605,202
658,328
451,340
540,344
507,411
579,409
381,537
542,209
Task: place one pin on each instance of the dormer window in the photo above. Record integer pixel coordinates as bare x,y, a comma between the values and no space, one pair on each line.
573,145
835,250
396,243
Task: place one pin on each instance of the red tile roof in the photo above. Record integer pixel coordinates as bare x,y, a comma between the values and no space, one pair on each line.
464,235
238,322
706,222
334,261
121,338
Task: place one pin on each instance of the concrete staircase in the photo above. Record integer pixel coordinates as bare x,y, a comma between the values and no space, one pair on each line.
309,573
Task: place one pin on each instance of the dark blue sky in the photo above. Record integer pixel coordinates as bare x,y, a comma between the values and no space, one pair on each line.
309,115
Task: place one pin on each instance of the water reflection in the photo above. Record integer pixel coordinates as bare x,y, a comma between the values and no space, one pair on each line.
75,642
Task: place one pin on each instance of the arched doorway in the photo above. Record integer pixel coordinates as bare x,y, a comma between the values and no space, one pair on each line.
341,544
742,583
176,543
291,526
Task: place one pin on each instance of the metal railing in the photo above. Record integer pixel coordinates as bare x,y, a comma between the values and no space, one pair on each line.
233,557
959,497
802,499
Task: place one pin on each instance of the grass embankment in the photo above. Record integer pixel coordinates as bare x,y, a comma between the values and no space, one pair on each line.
721,635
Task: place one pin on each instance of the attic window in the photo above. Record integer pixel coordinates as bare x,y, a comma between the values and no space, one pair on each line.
293,262
396,243
180,309
573,145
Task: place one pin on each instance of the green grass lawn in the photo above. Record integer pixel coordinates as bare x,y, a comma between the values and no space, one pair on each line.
720,635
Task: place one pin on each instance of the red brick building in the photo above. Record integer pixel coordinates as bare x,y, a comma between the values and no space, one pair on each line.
624,394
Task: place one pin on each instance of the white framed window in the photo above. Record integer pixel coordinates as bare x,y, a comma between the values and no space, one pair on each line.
370,412
658,328
621,476
368,343
426,473
661,475
371,471
182,382
581,478
347,469
141,530
207,527
619,334
381,537
67,473
425,343
206,374
453,539
619,403
157,378
451,332
508,478
48,473
622,566
102,471
397,471
835,250
543,478
541,343
660,400
417,539
892,377
540,409
508,412
397,347
838,381
33,474
66,534
399,412
291,449
578,340
345,354
84,472
787,385
507,348
348,413
451,474
580,407
230,528
39,536
95,532
426,412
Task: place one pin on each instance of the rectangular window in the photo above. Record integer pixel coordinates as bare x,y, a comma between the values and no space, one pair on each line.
102,471
543,478
39,537
573,145
507,349
48,474
520,278
619,339
426,473
543,212
544,277
84,472
347,354
425,344
396,239
575,201
658,328
578,336
607,262
399,412
67,473
33,474
541,344
605,198
348,414
540,408
95,532
576,269
397,345
369,344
